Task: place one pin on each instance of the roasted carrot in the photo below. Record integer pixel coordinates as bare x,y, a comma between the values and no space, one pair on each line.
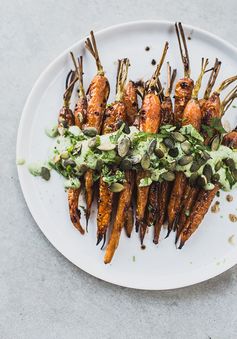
130,101
131,105
191,115
119,220
115,113
184,87
97,96
212,108
205,198
66,117
183,93
164,188
149,121
80,112
191,193
129,217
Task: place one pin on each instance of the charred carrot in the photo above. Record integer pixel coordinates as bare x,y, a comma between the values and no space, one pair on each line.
97,96
191,193
167,117
131,106
191,115
130,101
80,112
149,121
212,108
184,87
205,198
119,222
129,218
183,93
115,113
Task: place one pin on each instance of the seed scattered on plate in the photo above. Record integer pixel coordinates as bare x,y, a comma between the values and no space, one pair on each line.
229,197
153,62
147,48
215,208
231,240
233,217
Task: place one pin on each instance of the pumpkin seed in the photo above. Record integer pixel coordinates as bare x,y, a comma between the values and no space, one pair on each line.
106,146
69,162
209,186
123,147
185,160
215,143
45,173
126,164
201,181
64,155
196,165
94,142
90,131
159,153
207,171
135,159
169,142
178,136
116,187
230,163
56,158
215,178
193,179
218,165
174,152
168,176
172,165
77,149
186,147
152,146
145,162
206,156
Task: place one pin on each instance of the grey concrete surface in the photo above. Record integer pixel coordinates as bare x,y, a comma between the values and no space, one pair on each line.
42,295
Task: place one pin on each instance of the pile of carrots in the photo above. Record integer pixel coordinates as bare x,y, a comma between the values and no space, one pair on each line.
161,202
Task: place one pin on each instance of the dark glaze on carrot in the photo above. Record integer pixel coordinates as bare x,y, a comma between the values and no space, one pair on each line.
80,112
205,198
114,114
212,108
184,87
125,197
149,121
130,101
164,188
97,96
191,115
129,217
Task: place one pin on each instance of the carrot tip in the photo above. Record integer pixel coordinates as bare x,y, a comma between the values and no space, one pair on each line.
104,240
168,233
137,224
181,245
99,238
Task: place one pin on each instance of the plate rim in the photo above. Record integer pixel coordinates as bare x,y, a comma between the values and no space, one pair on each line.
58,247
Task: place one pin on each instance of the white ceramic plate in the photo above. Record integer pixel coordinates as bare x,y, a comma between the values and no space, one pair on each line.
208,253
